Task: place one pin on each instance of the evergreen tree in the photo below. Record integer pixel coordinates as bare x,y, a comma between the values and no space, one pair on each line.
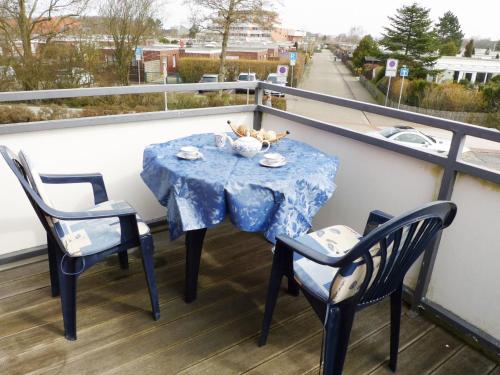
448,30
469,49
410,38
367,47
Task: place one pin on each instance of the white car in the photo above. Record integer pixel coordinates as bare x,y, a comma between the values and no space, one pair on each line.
208,78
408,136
246,77
276,80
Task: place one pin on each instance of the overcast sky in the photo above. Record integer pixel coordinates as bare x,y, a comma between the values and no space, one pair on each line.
478,17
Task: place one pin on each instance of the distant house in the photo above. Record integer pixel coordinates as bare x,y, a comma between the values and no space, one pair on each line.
154,61
372,60
474,70
233,53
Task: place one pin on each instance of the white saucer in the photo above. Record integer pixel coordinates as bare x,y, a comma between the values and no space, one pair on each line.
264,163
182,155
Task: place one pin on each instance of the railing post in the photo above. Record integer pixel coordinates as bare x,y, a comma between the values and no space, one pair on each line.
445,193
257,114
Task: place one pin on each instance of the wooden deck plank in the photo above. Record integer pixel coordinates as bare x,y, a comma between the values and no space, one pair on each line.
116,303
374,350
93,289
426,354
305,356
124,328
19,272
466,361
247,354
166,335
181,355
496,371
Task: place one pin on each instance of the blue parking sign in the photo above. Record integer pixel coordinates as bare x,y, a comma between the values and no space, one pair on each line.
404,71
293,56
138,53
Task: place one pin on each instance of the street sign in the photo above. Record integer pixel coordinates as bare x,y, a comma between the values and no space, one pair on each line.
293,58
138,53
404,71
282,70
391,68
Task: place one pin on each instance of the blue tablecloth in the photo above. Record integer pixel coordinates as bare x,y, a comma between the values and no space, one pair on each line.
199,194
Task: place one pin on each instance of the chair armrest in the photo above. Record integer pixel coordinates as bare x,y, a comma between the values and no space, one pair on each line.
95,179
375,219
306,251
85,215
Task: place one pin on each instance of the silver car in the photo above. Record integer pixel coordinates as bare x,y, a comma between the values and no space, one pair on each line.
411,137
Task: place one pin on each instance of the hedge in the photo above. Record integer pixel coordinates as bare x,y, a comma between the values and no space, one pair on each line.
191,68
112,105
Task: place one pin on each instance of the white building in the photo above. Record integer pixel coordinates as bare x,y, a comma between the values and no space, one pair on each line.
455,68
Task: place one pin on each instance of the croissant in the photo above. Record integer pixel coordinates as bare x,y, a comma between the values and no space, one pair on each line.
269,135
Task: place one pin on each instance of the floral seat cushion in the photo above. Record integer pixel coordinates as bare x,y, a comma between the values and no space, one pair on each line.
86,237
329,283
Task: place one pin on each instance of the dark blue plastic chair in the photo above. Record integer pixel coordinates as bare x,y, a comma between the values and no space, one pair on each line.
340,272
78,240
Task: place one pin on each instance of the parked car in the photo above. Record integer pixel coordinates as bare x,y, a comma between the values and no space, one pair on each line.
276,80
246,77
208,78
211,45
411,137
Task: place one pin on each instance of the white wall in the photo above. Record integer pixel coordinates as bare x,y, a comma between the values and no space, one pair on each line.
368,178
466,274
114,150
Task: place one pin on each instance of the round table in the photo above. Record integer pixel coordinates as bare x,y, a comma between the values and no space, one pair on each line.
199,194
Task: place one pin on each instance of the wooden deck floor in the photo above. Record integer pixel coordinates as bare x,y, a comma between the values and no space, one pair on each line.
215,335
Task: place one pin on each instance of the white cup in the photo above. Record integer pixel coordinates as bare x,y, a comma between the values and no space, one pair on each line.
220,139
189,150
273,158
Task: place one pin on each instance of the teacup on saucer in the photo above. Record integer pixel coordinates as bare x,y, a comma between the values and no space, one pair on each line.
189,150
273,158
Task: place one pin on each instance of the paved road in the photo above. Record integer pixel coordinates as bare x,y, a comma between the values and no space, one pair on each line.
331,77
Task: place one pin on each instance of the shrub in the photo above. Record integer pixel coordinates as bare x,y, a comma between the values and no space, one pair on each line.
416,90
16,113
452,97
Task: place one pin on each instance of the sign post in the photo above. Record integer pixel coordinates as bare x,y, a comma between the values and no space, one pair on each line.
138,58
293,60
282,71
165,77
403,72
391,70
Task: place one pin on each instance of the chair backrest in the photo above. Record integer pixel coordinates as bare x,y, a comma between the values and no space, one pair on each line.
28,180
387,252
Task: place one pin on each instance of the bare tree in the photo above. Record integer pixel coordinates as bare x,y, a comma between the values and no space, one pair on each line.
221,15
23,22
127,22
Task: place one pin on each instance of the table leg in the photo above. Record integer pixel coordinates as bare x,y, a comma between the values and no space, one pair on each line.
194,245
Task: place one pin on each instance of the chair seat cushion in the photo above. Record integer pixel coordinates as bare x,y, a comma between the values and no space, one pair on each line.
86,237
329,283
